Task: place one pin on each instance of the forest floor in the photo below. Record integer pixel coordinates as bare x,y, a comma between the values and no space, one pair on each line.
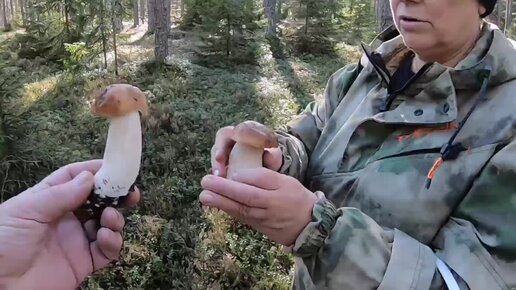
171,243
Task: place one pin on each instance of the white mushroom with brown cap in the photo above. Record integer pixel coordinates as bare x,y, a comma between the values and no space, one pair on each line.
252,138
123,105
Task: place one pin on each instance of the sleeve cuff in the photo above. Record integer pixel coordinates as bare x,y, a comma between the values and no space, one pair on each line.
324,217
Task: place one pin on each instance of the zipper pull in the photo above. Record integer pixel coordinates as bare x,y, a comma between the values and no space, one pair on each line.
433,171
448,152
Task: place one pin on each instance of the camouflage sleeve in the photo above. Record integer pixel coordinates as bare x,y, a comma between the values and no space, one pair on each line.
298,139
345,249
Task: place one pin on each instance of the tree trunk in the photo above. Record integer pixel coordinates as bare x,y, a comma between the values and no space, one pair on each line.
508,18
118,11
162,26
67,16
5,21
228,35
8,13
279,11
21,4
383,14
136,14
3,140
270,10
236,26
32,11
151,21
114,27
13,10
497,15
3,18
307,18
142,10
103,31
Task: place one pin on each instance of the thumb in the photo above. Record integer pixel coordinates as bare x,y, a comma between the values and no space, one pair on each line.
53,203
273,159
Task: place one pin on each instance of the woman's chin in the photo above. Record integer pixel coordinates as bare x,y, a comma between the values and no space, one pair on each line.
418,43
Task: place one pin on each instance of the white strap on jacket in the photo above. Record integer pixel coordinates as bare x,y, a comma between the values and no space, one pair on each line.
447,275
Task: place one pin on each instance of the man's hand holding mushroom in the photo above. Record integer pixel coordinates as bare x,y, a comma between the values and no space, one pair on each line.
254,193
44,246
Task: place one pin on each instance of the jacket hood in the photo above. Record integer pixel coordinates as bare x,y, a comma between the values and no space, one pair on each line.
493,53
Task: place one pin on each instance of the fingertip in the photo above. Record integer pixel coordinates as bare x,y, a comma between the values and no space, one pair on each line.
106,248
109,242
273,158
134,197
108,216
106,235
206,198
206,180
112,219
85,178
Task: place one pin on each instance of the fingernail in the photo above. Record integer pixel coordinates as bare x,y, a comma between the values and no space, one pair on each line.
206,198
216,172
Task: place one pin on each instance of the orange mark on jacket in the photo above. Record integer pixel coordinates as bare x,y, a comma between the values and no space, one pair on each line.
422,132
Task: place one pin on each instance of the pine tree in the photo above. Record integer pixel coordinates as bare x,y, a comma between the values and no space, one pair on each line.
227,20
136,14
151,22
162,16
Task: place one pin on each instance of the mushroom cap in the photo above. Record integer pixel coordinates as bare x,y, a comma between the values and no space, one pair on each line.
255,134
118,100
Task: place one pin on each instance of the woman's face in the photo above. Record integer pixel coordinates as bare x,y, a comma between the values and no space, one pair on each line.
430,27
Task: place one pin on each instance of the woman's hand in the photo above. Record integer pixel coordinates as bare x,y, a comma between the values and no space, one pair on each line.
42,243
274,204
272,158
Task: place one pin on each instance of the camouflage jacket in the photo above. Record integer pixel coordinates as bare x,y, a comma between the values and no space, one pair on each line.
377,225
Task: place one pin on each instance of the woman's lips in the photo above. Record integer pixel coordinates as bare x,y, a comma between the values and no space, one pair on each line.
412,24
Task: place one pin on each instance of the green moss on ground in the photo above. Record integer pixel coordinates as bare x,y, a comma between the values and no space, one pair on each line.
171,242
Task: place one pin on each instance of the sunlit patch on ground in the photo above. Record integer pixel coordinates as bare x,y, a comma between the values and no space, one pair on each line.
34,91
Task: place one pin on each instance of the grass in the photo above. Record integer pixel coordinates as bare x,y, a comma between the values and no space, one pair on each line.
171,243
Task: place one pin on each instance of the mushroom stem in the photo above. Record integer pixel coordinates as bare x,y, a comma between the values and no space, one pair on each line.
244,156
122,157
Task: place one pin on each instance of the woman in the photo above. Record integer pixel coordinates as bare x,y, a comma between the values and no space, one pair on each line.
405,177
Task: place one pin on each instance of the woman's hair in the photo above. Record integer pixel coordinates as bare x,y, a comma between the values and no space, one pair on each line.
489,5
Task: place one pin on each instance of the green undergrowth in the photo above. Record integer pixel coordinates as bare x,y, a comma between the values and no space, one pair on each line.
171,243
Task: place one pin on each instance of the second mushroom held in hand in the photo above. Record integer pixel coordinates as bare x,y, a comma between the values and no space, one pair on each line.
251,139
123,105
